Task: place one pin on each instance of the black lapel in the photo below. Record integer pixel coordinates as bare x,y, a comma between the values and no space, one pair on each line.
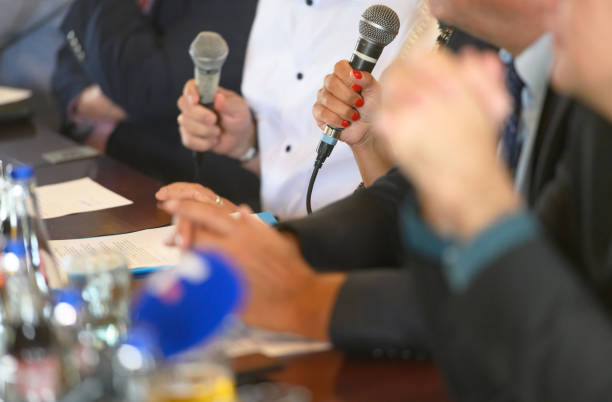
549,144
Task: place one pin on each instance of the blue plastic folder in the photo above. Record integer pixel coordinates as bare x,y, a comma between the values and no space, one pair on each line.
268,218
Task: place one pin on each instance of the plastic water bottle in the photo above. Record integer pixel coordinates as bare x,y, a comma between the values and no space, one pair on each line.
33,352
26,224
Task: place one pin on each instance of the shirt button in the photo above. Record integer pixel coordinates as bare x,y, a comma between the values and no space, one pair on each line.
309,2
288,148
300,76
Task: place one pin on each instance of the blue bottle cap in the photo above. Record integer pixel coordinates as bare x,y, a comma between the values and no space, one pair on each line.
70,296
24,172
15,247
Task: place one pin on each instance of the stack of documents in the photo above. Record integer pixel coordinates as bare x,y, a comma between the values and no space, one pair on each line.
145,251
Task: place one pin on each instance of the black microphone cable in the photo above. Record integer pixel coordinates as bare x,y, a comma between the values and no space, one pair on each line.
326,146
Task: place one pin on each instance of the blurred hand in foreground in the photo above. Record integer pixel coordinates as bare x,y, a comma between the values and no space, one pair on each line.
441,115
285,294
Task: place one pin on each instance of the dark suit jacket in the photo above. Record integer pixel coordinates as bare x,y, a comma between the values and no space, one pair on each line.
141,62
377,309
535,325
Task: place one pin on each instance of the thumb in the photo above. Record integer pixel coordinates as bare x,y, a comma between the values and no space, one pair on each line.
191,92
220,102
228,102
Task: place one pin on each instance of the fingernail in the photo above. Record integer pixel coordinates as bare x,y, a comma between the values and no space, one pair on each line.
190,98
345,123
356,88
357,74
355,116
359,102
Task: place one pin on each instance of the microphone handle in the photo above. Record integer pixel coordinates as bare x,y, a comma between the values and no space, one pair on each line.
365,55
364,58
198,157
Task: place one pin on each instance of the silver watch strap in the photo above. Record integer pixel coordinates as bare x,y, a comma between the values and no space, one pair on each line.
248,155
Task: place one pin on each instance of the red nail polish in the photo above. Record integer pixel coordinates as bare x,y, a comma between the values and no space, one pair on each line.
357,74
355,116
356,88
345,123
359,102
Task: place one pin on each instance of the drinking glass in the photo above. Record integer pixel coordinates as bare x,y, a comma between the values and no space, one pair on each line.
103,281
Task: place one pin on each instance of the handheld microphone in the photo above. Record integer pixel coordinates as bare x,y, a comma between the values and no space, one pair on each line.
378,26
208,52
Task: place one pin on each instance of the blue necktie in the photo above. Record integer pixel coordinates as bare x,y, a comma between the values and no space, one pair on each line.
512,141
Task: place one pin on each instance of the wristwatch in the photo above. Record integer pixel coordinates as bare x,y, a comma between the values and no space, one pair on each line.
249,154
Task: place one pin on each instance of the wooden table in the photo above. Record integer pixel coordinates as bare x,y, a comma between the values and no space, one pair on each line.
330,376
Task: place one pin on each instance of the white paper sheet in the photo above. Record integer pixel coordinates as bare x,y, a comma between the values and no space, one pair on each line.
143,249
75,196
246,340
13,95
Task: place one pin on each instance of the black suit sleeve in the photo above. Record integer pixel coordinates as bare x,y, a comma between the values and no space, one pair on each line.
542,336
535,324
142,64
123,53
376,314
69,79
356,232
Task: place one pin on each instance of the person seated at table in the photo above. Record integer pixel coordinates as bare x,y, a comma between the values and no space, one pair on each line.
121,69
530,323
280,80
292,46
372,305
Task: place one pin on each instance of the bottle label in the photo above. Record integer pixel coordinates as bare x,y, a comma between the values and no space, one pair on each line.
38,379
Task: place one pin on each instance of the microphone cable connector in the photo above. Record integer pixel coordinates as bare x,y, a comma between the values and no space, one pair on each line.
329,139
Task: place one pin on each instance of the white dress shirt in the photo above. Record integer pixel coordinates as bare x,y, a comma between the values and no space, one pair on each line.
534,66
293,45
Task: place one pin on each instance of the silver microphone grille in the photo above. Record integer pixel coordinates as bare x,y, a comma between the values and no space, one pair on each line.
209,49
379,24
